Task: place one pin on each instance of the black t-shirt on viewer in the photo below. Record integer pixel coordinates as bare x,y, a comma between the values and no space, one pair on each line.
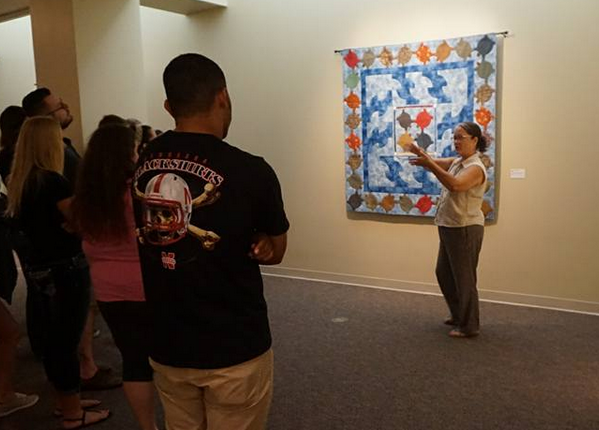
198,203
39,217
42,222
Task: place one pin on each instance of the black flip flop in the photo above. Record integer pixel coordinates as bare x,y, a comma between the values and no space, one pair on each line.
82,420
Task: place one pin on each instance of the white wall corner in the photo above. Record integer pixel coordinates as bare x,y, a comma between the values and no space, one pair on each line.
185,7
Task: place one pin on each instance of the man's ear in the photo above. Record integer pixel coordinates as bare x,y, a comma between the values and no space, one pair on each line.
167,107
222,97
44,107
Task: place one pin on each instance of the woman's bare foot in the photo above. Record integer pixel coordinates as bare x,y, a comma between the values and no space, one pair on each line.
87,418
458,333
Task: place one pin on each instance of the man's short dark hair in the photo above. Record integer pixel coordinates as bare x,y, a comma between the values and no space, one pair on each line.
33,103
191,82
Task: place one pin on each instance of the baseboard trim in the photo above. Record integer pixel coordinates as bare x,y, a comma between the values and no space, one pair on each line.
502,297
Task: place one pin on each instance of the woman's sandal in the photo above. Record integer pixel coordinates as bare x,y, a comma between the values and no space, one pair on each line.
457,333
82,421
85,404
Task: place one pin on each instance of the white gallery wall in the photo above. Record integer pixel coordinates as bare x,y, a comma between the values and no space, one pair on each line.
286,86
17,66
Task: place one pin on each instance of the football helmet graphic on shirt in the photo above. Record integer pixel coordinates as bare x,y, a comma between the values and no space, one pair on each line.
167,206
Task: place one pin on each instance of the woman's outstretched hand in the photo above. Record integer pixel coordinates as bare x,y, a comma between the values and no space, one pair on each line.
422,158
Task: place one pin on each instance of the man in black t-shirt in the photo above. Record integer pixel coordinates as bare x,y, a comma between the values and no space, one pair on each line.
207,214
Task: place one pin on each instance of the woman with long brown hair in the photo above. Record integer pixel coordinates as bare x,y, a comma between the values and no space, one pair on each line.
39,196
102,211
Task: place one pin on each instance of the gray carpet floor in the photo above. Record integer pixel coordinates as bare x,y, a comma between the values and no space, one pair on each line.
352,358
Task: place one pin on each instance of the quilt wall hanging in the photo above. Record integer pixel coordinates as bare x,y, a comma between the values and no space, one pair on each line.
415,92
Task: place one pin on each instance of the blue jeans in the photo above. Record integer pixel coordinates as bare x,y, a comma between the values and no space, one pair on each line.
63,289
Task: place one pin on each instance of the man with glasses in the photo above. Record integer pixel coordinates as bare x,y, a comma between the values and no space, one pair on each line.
43,102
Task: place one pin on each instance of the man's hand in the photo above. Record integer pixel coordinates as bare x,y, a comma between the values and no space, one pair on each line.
267,249
261,248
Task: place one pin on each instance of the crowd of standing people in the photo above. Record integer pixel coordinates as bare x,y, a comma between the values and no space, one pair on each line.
167,231
170,252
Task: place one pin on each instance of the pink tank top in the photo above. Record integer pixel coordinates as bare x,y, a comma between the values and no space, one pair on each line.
114,266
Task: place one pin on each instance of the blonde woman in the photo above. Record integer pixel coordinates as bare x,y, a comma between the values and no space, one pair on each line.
39,196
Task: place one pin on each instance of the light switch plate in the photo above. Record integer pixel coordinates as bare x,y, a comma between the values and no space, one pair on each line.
517,173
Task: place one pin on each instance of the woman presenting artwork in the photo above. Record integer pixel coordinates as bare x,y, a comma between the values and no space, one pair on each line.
460,221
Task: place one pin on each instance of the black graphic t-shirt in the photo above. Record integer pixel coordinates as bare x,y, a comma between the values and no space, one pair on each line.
198,203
